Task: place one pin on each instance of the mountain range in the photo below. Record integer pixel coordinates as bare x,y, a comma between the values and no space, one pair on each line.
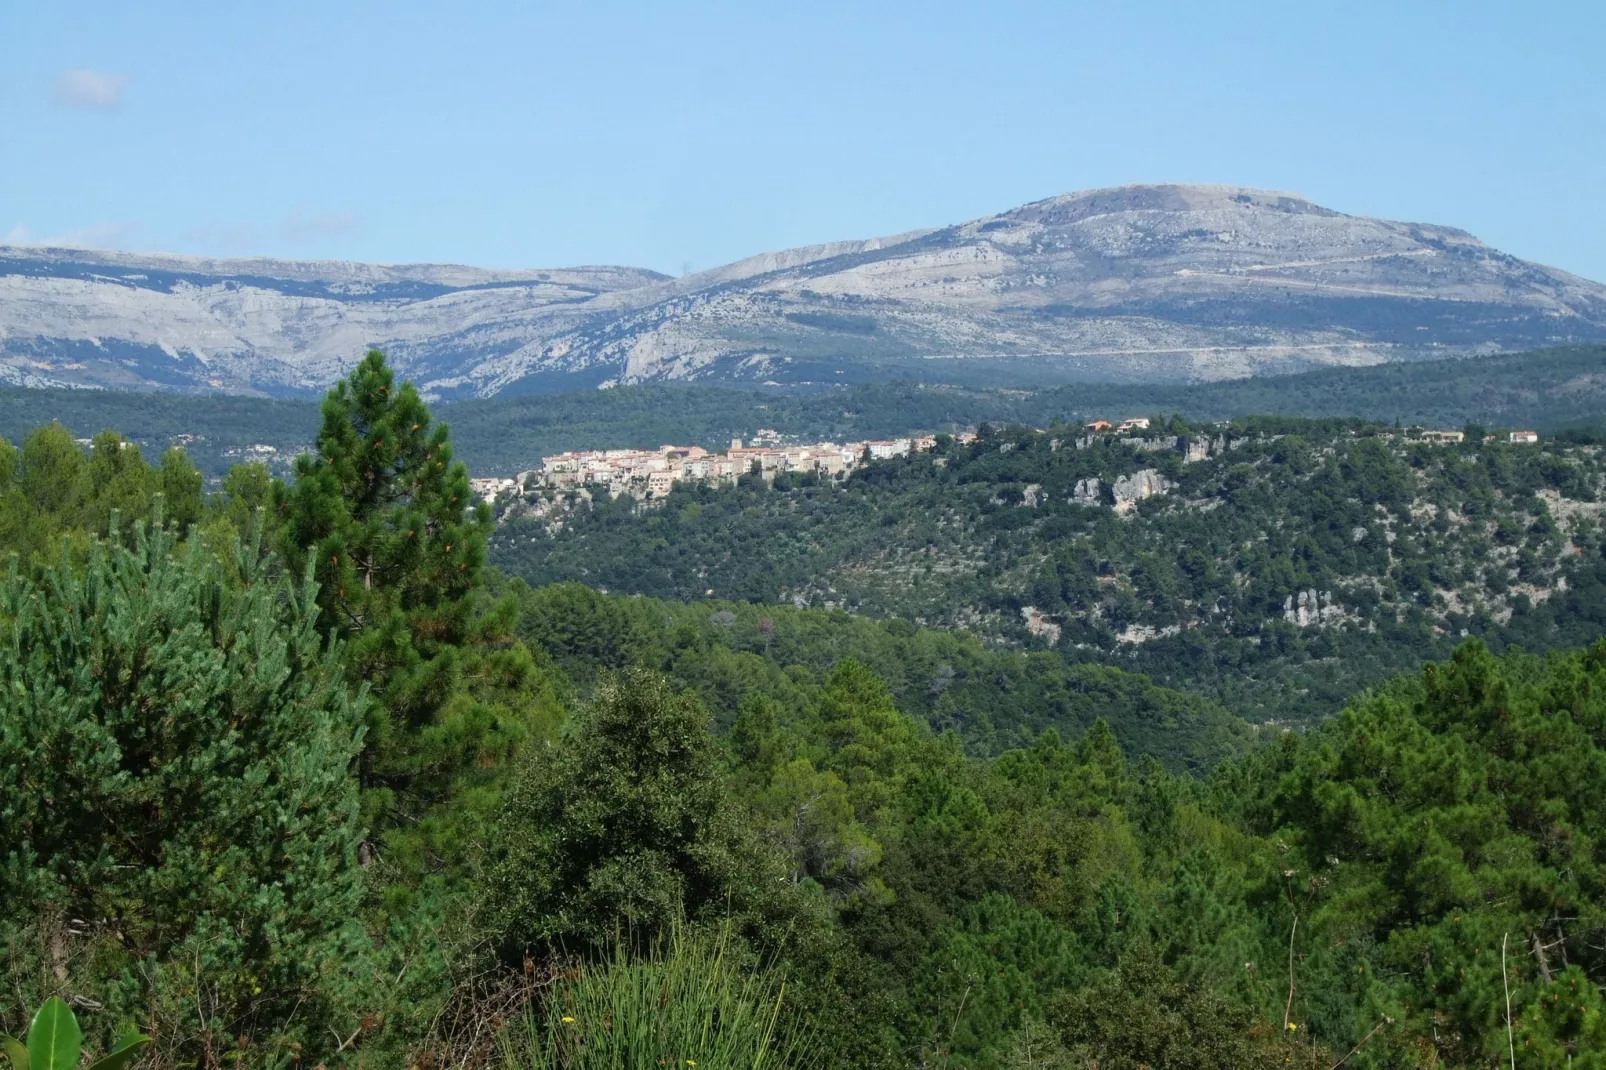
1143,283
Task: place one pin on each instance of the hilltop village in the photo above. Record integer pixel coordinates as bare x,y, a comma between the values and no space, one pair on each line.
649,474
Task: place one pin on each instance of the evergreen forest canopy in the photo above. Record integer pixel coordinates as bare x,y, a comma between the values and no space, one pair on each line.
1548,390
291,775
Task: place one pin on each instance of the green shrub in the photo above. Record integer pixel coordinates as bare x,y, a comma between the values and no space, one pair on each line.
690,1004
625,822
177,817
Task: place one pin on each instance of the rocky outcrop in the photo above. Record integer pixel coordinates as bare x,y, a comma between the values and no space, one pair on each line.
1310,607
1039,625
1087,492
1129,490
1133,283
1203,447
1145,633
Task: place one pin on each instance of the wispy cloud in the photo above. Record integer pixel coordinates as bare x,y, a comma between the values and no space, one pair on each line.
90,90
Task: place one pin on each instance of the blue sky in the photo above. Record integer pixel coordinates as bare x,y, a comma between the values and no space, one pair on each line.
676,136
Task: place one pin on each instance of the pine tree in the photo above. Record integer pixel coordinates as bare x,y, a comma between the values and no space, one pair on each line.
178,823
181,484
385,518
117,481
52,469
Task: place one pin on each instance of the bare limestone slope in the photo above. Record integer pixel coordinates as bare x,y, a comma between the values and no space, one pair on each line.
1132,283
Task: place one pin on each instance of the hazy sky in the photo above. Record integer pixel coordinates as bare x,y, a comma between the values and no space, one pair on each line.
675,136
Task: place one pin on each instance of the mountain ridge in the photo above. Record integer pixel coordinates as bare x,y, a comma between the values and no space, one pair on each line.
1141,283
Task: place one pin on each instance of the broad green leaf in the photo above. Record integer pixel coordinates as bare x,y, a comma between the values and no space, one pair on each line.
128,1046
15,1052
54,1039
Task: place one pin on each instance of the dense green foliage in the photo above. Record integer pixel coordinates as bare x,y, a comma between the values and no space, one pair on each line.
1431,821
50,488
177,817
360,800
1288,564
1110,910
994,699
1548,390
627,825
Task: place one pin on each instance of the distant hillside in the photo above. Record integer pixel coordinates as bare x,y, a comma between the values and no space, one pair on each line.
1279,565
1169,283
1546,390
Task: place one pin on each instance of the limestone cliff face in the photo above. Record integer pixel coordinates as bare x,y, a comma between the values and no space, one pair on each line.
1137,283
1087,491
1129,490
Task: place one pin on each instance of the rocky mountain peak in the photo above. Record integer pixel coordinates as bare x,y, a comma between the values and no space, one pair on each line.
1132,282
1144,197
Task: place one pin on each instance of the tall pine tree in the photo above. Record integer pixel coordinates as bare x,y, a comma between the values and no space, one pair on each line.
386,519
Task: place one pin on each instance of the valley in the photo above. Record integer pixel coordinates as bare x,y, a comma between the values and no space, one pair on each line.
1011,737
783,537
1550,390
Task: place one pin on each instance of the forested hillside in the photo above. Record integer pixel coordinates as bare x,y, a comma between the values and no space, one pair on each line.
991,699
1547,390
1279,565
290,776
